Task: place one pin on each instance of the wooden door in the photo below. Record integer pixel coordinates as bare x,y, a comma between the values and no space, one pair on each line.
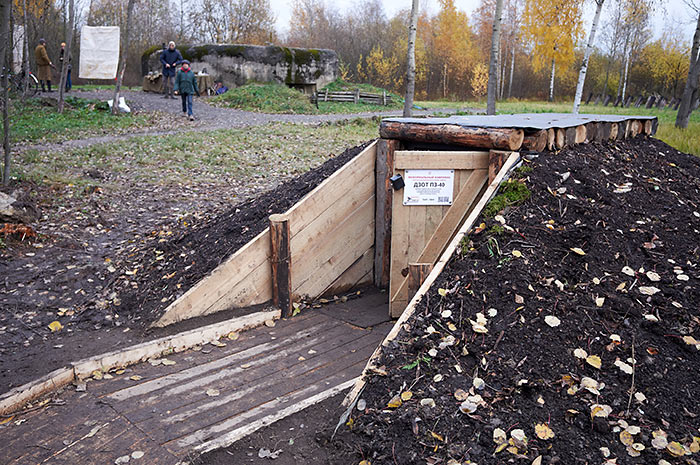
419,233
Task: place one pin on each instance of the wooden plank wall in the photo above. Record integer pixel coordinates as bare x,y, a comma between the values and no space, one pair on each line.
331,242
243,280
332,231
415,227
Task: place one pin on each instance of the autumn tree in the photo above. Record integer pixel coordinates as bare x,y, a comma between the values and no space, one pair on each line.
480,80
235,21
552,27
691,93
453,48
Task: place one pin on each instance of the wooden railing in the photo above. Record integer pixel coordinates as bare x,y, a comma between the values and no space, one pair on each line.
355,96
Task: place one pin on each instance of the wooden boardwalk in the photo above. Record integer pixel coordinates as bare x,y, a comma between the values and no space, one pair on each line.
168,410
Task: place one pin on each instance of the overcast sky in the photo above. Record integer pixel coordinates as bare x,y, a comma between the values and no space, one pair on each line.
672,15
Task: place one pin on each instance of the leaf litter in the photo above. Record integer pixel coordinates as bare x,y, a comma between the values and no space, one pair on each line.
616,382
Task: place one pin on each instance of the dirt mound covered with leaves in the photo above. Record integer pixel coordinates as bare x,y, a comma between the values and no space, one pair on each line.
178,263
565,331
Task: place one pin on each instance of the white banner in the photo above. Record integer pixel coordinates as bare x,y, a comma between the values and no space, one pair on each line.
99,52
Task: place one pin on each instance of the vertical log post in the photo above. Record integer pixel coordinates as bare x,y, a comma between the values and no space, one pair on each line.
384,169
417,272
280,259
496,160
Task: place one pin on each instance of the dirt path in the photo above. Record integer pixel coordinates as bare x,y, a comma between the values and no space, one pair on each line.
208,118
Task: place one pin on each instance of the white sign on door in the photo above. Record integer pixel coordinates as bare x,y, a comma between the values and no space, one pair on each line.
428,187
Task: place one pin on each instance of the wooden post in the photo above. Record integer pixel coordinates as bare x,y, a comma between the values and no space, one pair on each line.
417,272
592,132
570,136
280,259
580,134
384,97
496,159
614,128
384,169
357,96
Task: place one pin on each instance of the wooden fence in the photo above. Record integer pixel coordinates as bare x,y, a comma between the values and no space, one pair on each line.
639,101
352,97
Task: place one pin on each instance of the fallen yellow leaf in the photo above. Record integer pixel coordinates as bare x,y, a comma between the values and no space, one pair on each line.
55,326
395,402
543,431
406,395
594,361
577,251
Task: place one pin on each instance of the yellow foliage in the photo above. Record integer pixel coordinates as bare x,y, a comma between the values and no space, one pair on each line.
480,81
553,28
381,68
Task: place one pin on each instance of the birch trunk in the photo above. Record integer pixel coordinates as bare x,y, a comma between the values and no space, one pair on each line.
123,53
66,57
411,61
690,93
551,82
586,57
512,65
624,81
493,64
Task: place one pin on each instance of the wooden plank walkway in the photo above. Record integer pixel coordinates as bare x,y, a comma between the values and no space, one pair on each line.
167,410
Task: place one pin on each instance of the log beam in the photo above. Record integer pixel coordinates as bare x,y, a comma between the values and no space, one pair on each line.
536,141
452,134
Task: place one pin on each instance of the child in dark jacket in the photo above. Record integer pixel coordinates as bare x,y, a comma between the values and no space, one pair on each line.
186,86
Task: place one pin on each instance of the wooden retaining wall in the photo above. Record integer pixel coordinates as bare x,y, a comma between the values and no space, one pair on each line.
331,249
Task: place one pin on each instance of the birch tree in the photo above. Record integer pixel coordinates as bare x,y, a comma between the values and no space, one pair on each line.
411,61
493,62
587,56
690,93
552,28
123,53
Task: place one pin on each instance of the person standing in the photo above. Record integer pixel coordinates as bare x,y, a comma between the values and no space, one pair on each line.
186,85
43,64
69,84
170,58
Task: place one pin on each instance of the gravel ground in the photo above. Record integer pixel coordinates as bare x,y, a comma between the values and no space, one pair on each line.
207,117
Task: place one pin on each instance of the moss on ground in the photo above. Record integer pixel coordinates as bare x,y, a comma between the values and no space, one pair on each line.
513,192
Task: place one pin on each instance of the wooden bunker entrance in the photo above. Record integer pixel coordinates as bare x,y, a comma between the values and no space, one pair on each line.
373,220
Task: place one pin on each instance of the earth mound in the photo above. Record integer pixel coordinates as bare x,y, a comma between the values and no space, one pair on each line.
566,330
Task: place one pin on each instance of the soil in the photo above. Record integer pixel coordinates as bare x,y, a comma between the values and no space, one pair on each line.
518,269
73,272
627,204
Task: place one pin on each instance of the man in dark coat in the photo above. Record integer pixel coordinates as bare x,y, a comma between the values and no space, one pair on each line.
170,58
43,64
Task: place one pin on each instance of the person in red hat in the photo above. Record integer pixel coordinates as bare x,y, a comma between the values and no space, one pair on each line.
186,86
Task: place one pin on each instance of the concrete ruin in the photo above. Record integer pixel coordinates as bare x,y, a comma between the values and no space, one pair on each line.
236,65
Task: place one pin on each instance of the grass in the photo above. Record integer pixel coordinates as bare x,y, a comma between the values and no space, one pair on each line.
252,155
687,140
265,98
35,120
280,99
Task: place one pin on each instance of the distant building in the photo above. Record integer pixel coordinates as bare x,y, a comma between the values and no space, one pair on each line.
236,65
